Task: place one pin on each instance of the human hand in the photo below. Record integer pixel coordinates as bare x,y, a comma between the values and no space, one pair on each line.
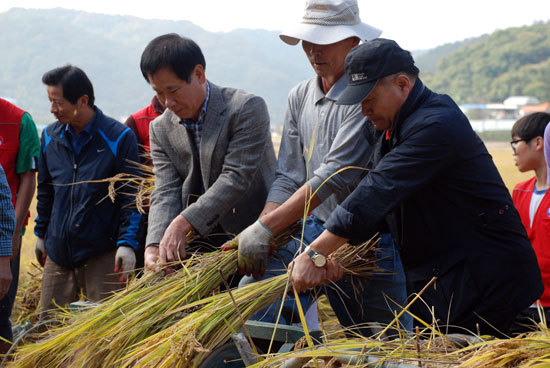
5,276
255,247
305,274
173,242
151,258
40,251
334,270
125,261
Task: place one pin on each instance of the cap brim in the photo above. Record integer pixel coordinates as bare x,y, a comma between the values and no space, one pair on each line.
325,35
354,94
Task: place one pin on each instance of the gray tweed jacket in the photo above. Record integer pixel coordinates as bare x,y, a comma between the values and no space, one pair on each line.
236,168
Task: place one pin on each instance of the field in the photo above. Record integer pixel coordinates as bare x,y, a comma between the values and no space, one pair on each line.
501,152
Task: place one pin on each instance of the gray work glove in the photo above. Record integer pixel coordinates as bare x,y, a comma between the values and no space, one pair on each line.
255,247
125,261
40,251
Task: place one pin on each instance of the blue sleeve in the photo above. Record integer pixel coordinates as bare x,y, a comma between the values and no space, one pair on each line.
130,220
45,190
7,216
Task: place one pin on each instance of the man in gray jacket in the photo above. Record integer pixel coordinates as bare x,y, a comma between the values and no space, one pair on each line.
212,152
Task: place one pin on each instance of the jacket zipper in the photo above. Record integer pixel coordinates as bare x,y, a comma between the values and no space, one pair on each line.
71,202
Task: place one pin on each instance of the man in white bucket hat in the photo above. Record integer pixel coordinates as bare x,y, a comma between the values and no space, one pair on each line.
325,22
341,138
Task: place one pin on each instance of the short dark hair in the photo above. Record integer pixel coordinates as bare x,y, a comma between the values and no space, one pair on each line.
74,82
531,125
180,54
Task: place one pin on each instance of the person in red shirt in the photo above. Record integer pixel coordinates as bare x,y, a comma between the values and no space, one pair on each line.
532,198
19,153
139,123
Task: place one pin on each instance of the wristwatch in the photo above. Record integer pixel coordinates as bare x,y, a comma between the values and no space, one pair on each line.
318,259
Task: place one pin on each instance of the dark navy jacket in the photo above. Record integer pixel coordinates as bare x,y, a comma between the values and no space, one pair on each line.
79,220
449,212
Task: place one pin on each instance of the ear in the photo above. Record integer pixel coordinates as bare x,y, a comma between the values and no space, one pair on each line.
82,101
355,41
539,143
199,73
403,83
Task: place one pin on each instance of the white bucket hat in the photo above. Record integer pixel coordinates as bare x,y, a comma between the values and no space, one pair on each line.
329,21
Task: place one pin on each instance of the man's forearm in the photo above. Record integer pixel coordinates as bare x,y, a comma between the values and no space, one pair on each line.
269,207
27,185
327,243
291,211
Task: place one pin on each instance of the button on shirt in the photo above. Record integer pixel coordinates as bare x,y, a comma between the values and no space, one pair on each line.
195,127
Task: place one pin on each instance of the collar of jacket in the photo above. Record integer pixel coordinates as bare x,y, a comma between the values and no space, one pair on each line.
62,128
215,107
416,97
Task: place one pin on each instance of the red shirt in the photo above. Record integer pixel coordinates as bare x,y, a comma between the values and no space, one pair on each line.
539,233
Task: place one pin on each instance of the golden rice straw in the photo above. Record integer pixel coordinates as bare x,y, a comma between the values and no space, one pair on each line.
529,350
101,336
188,341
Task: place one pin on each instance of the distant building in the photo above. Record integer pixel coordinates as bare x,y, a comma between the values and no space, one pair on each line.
520,101
502,116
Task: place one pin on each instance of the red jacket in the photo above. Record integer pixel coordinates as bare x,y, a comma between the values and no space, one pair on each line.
10,123
539,234
139,123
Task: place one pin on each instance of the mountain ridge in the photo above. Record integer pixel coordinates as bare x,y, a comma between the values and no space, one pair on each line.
108,49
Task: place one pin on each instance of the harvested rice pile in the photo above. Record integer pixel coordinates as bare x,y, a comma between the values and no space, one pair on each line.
168,321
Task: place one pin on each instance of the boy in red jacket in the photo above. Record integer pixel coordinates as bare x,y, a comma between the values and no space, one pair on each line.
531,197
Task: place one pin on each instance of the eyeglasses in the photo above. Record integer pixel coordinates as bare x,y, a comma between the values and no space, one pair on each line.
515,142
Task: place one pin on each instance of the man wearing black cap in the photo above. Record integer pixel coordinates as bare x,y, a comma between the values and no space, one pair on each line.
437,187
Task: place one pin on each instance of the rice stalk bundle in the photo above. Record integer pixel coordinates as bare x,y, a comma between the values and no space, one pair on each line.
101,336
26,307
89,338
409,350
529,350
187,342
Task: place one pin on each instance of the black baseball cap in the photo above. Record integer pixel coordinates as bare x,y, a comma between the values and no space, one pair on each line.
367,63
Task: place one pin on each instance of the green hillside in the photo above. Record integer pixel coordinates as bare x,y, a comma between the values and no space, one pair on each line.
510,62
108,49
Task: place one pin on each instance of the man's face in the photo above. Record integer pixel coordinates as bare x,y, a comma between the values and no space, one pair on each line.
328,60
382,105
63,110
182,98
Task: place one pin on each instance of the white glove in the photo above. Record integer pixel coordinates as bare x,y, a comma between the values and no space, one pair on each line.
255,247
125,261
40,251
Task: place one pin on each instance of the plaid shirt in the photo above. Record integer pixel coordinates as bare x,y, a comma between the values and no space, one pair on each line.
7,216
195,127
